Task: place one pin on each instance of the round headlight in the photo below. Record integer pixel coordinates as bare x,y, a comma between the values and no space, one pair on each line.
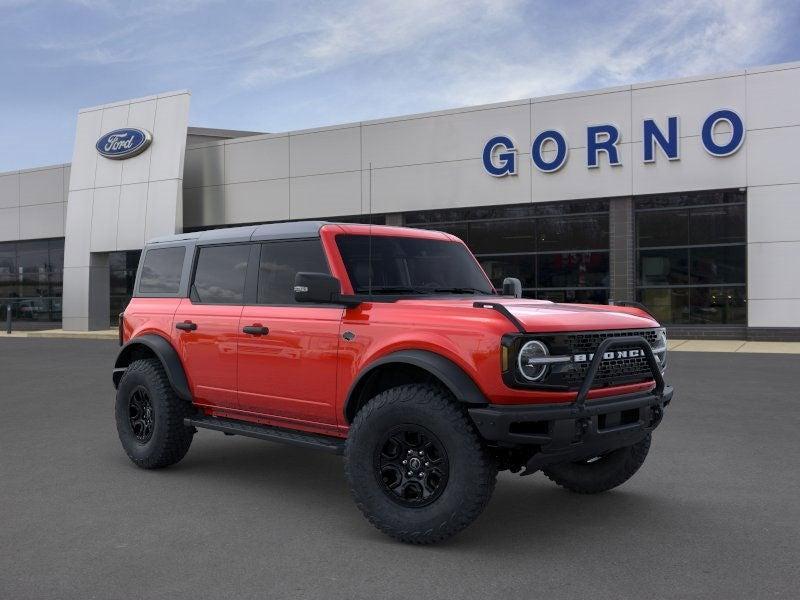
526,360
660,349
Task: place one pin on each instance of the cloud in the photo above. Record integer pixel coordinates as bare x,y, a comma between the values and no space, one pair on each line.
325,39
672,40
275,65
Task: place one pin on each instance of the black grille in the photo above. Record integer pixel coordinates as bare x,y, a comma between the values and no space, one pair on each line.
615,371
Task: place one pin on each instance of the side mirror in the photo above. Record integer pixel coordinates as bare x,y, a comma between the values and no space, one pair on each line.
319,288
512,287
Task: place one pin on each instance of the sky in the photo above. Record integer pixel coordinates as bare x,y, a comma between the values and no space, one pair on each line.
279,66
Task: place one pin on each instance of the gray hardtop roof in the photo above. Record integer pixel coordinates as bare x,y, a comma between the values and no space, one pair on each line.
272,231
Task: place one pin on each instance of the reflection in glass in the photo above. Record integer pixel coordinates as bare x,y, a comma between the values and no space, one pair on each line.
718,305
523,267
573,269
664,267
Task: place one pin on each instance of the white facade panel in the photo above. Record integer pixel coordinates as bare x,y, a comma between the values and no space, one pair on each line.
203,206
445,185
445,137
773,313
9,224
774,271
691,101
164,208
204,166
85,157
79,213
773,213
696,170
257,201
773,156
105,218
109,172
571,115
43,186
773,99
325,195
9,190
169,137
141,115
575,180
76,295
325,151
41,221
132,215
257,160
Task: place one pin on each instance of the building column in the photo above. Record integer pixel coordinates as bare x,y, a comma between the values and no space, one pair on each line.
622,255
86,293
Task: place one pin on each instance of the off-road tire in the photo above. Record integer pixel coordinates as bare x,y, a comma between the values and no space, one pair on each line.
472,472
170,438
605,473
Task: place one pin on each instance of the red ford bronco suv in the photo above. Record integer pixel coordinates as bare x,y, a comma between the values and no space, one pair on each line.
390,346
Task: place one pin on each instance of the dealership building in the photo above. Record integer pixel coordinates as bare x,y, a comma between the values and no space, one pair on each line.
683,195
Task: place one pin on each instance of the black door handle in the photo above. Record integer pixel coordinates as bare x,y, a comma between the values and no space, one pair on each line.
255,330
186,326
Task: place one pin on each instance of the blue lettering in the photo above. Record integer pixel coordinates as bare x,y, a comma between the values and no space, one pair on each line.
507,158
652,135
737,126
602,138
561,151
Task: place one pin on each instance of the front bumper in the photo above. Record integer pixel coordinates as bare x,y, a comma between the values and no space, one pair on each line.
567,432
554,433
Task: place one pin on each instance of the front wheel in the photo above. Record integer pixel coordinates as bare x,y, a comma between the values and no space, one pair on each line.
416,467
600,473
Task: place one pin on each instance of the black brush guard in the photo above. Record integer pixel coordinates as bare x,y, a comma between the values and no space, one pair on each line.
581,429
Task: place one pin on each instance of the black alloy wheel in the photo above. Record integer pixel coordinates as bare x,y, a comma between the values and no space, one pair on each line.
140,415
411,465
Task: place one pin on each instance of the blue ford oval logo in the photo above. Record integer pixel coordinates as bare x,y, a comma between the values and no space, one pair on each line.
123,143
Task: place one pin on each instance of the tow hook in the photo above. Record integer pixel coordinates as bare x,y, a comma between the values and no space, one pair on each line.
655,415
581,427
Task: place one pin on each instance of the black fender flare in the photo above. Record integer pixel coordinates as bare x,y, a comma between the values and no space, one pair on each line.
445,370
165,353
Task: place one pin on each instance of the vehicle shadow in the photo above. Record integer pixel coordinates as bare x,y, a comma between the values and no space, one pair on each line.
525,512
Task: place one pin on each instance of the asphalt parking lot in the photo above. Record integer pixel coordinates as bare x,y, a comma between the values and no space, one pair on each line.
714,512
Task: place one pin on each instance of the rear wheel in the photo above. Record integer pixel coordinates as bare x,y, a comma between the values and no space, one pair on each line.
600,473
415,465
150,416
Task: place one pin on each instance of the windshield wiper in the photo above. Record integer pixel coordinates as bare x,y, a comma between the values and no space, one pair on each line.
392,289
460,290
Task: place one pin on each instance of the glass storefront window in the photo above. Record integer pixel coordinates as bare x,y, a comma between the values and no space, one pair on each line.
523,267
122,271
573,269
587,232
559,250
494,237
692,257
31,276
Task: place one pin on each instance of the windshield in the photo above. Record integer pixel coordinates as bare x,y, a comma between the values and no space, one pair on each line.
406,265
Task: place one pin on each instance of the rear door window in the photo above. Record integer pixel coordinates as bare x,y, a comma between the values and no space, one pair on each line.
220,274
161,270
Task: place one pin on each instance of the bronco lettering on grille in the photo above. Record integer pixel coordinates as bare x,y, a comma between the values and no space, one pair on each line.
635,353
